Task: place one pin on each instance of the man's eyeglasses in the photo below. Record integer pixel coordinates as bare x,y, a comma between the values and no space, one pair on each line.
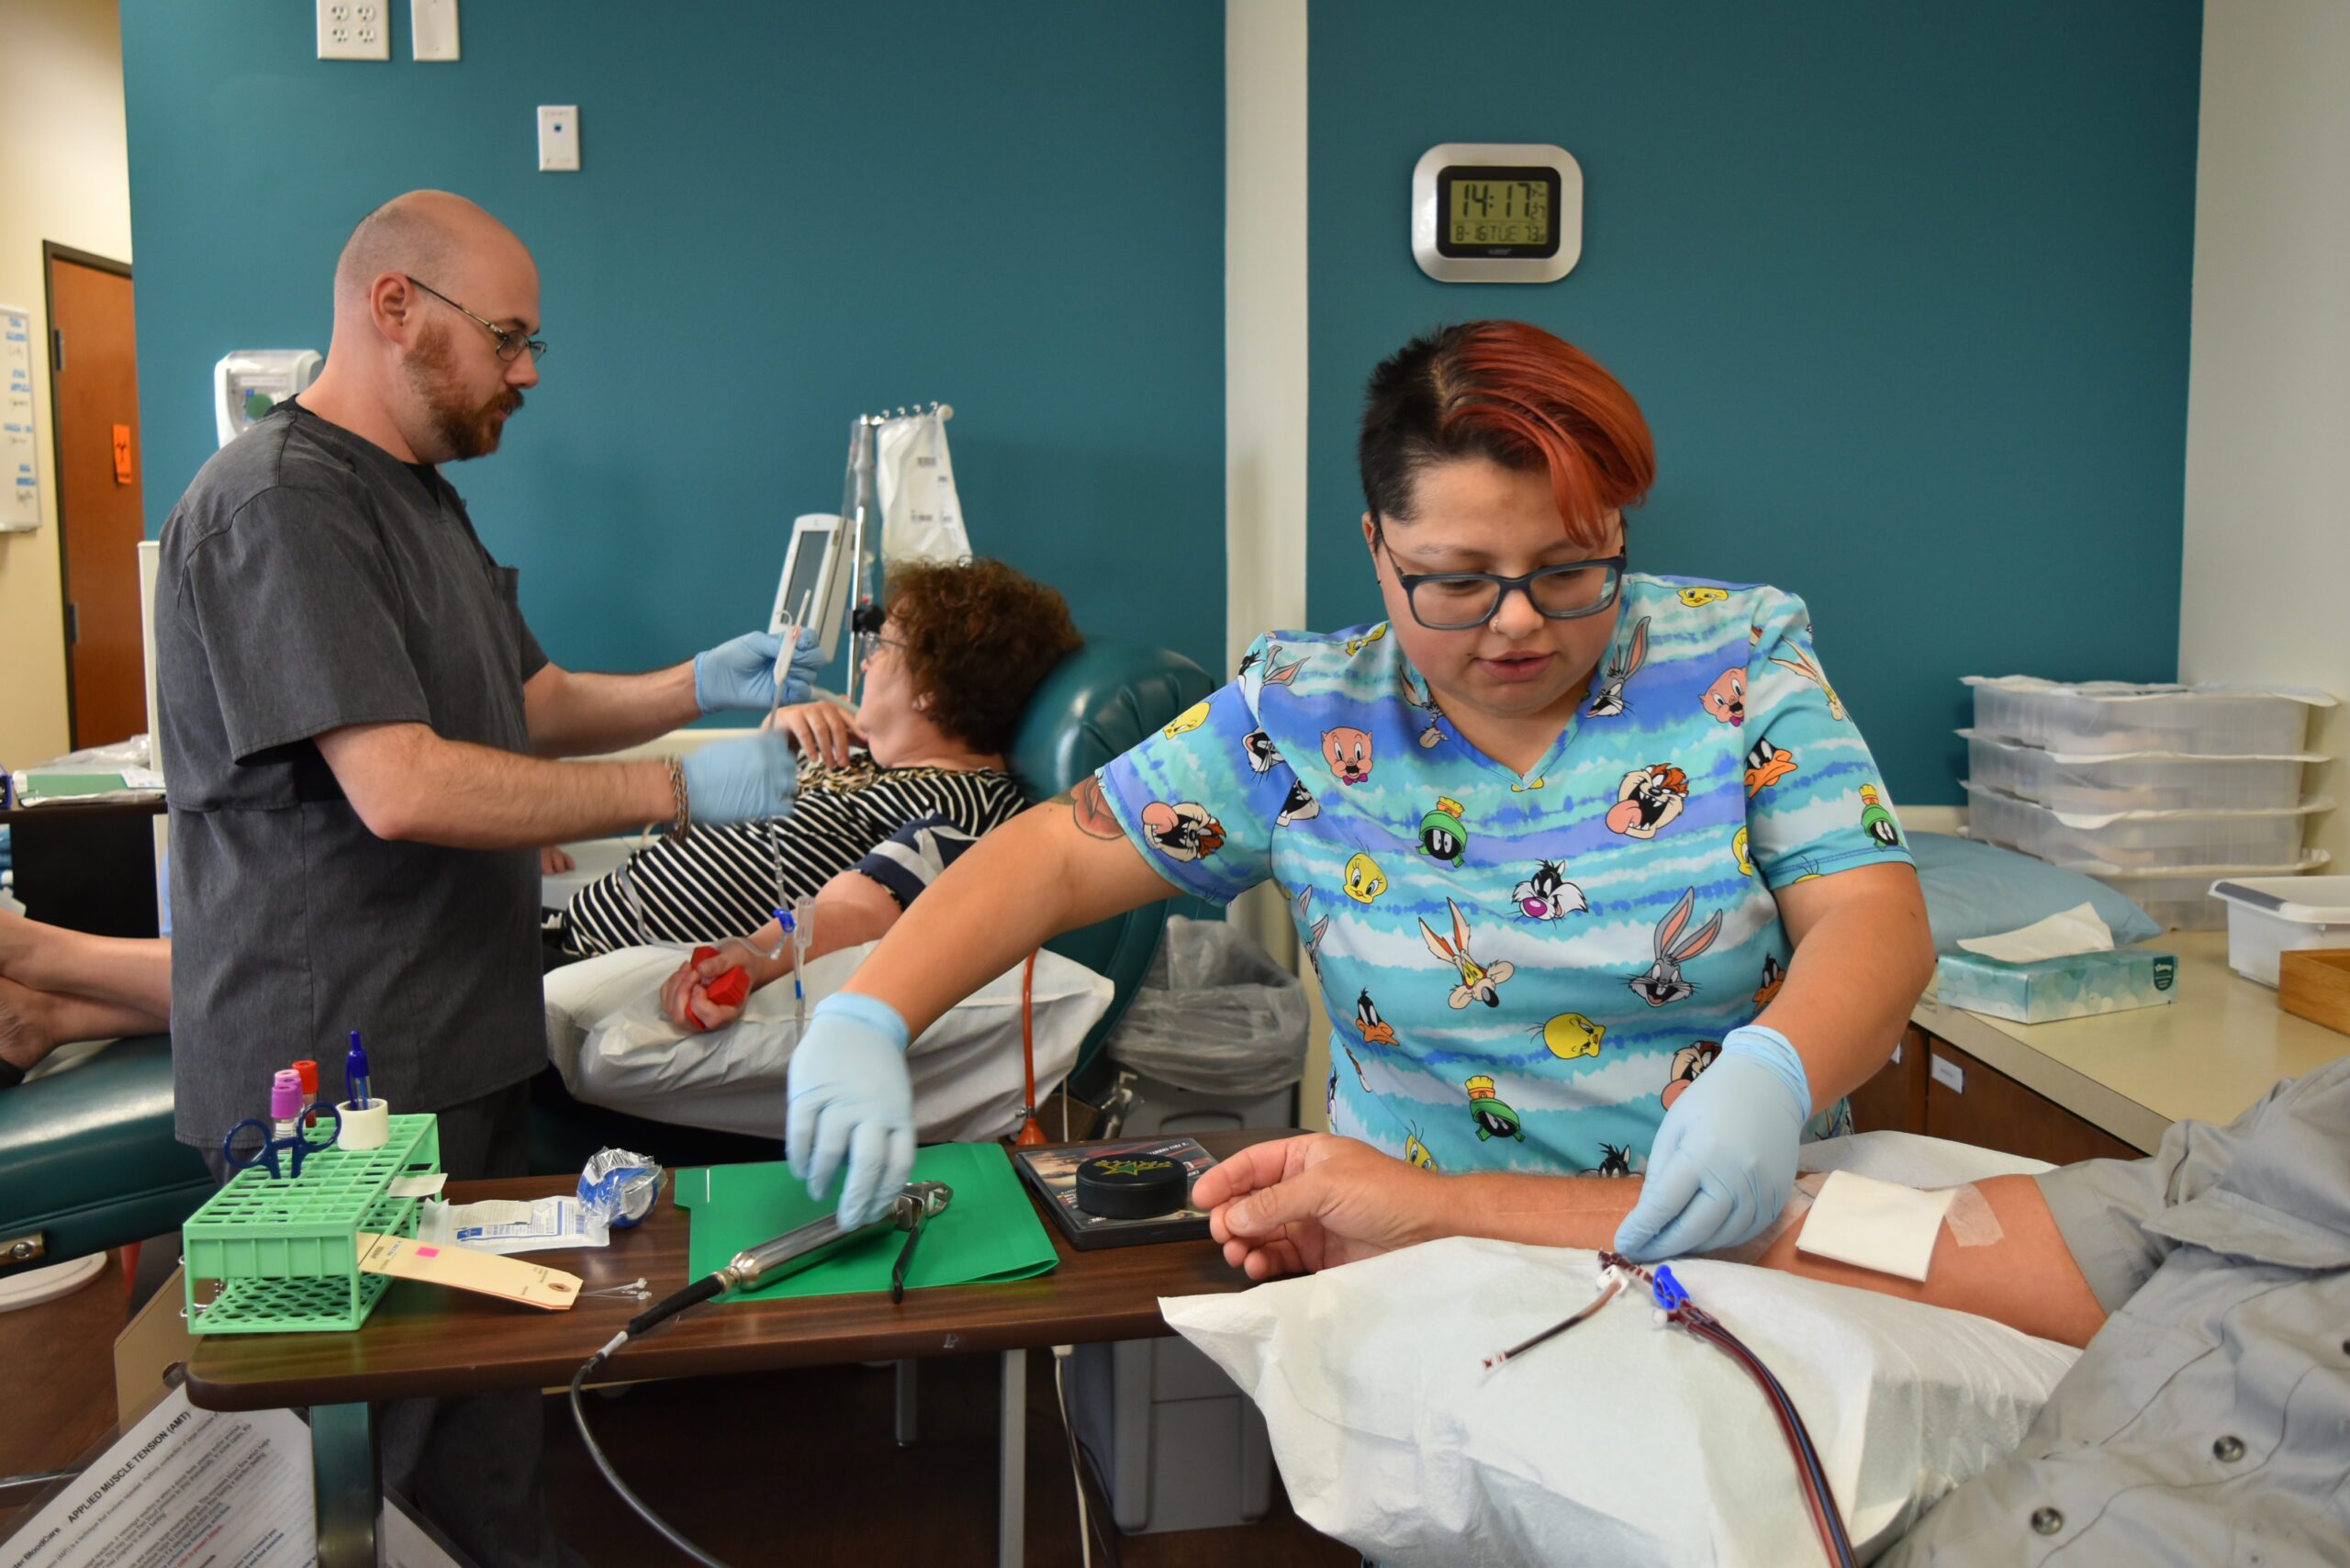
1456,601
510,343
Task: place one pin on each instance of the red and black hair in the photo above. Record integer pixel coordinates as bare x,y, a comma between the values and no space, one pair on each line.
1513,394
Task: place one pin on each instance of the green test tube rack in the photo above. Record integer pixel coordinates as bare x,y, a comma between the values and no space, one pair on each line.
286,1250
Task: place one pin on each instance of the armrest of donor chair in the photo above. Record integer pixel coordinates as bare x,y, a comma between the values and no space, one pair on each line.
88,1161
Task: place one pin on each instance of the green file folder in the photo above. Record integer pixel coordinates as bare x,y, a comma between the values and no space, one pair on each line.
43,785
989,1232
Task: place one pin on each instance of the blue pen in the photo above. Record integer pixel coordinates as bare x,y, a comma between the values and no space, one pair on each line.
354,1073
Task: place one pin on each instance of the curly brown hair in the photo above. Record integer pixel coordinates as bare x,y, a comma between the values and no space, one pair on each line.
979,639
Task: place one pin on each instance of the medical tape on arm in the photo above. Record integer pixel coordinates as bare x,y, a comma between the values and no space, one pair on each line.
1970,1219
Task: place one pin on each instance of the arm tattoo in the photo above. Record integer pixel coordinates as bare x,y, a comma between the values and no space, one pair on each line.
1093,817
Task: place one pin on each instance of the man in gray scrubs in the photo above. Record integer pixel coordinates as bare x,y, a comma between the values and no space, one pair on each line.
358,726
2208,1420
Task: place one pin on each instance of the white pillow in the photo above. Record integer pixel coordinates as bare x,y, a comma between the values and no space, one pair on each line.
1914,1159
1620,1442
607,1036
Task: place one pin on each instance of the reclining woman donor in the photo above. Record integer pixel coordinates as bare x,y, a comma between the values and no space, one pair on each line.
889,795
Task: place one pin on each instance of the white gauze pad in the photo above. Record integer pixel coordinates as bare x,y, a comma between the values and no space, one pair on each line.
1875,1224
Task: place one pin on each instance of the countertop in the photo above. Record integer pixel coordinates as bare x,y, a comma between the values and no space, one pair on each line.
2208,1055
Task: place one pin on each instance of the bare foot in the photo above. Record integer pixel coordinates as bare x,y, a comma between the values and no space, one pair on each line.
25,1035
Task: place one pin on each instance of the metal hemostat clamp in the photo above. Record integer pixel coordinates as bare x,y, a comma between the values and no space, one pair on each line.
912,1208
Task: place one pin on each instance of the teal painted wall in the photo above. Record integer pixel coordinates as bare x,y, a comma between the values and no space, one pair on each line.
1903,291
788,214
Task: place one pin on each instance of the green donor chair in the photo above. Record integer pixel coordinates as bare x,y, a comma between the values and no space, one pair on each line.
87,1159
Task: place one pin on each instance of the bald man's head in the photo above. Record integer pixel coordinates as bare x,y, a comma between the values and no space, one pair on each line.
433,235
433,299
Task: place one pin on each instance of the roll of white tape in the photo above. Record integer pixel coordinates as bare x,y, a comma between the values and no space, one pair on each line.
364,1130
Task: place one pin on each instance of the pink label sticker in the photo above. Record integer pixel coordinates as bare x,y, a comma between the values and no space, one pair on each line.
428,1251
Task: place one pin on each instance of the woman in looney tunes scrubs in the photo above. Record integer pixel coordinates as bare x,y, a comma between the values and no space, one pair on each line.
1606,811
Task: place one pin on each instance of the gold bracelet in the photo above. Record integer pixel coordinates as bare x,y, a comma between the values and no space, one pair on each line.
681,820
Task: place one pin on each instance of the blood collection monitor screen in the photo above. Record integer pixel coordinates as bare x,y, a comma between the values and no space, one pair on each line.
1498,212
803,591
799,597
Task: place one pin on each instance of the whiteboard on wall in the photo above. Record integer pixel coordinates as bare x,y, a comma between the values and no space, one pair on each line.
19,465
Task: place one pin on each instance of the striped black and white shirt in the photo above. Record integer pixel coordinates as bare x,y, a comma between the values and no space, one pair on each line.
902,826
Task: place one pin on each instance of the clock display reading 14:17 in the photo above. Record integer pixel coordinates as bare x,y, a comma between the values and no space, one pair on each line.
1497,212
1488,211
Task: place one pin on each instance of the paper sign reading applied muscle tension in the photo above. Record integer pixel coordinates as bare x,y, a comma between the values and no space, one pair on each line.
460,1268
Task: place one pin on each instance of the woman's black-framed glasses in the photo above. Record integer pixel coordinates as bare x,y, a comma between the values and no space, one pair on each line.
1455,601
510,343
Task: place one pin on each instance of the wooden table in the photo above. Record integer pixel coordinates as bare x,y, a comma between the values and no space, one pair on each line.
420,1340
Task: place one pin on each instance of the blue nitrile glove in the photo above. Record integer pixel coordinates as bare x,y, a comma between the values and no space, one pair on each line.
851,1094
1724,1161
741,673
743,780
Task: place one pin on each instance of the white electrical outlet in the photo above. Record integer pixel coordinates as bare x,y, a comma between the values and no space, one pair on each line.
558,136
433,29
354,29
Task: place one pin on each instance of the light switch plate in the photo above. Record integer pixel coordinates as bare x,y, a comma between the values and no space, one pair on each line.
558,137
433,29
354,29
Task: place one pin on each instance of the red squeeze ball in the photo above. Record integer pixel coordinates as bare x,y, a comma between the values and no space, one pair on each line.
729,990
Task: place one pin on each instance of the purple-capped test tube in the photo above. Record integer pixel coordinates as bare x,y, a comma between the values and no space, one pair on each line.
285,1104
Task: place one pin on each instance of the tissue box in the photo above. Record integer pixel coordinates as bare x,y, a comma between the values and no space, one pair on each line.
2048,988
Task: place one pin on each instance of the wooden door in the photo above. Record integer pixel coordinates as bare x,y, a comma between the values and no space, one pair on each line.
94,390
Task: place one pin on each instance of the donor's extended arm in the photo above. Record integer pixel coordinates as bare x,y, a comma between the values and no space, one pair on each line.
1302,1203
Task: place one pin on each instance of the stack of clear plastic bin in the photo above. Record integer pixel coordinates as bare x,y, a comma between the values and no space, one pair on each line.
2156,790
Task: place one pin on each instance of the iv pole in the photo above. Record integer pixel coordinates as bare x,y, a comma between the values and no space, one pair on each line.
859,509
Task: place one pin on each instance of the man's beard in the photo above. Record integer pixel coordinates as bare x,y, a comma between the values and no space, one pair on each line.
461,428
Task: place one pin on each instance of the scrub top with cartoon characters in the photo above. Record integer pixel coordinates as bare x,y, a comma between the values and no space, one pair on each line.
1523,971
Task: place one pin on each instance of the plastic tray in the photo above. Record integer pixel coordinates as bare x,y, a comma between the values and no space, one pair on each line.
285,1250
2136,780
2144,841
2269,916
2180,898
2110,716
